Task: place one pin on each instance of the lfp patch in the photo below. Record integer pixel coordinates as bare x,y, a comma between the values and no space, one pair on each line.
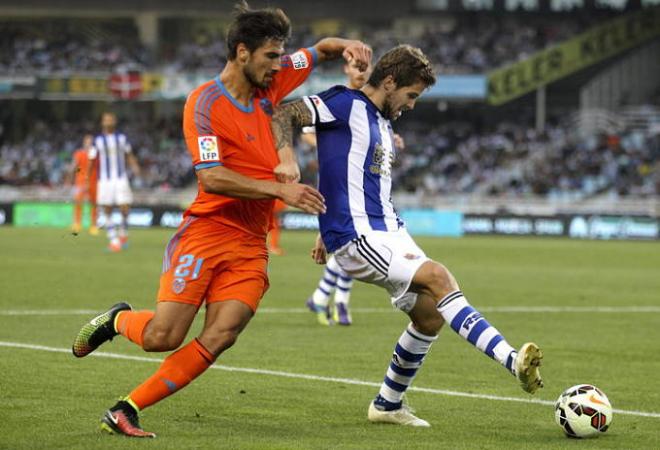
208,148
299,60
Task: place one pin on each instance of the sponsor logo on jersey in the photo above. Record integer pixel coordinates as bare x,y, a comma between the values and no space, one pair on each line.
411,256
299,61
208,148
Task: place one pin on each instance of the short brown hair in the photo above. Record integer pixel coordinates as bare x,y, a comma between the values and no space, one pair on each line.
255,27
407,65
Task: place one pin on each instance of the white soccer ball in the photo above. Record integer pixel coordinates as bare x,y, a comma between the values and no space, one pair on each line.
583,411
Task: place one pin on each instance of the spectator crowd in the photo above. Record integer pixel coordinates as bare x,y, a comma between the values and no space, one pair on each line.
452,158
459,44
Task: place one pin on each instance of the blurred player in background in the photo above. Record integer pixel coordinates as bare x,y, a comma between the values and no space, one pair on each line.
334,279
218,256
369,240
84,188
112,154
274,234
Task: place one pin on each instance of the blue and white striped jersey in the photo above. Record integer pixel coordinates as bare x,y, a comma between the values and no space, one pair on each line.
110,150
355,147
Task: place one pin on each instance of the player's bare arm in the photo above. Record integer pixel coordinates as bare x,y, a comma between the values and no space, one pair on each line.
286,118
351,50
223,181
133,162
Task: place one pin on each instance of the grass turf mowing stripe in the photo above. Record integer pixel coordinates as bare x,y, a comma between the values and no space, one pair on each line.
317,378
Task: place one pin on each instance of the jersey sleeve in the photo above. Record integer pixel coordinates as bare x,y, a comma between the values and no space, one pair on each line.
296,67
327,108
202,139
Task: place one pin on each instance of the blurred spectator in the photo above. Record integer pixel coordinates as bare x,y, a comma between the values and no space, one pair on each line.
457,44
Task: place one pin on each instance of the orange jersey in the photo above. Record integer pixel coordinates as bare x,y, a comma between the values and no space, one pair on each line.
80,161
221,131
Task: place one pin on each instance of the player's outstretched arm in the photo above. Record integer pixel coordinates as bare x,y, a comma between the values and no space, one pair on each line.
223,181
332,48
286,118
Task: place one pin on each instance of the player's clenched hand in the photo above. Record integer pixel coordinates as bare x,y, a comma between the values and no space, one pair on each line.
358,52
319,253
287,172
304,197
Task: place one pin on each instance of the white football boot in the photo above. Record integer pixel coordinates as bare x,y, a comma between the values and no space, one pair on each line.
401,416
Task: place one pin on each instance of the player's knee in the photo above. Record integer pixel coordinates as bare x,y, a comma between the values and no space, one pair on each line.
161,340
217,341
442,281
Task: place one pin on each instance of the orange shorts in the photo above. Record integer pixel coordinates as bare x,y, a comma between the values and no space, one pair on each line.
79,194
206,260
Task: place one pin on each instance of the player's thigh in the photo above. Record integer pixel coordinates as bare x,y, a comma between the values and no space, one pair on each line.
387,259
105,194
434,279
78,194
223,323
244,279
171,322
123,192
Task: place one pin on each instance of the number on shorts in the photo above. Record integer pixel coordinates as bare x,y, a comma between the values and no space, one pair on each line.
183,269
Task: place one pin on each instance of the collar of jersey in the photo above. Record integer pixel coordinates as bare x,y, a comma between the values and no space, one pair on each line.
368,100
236,103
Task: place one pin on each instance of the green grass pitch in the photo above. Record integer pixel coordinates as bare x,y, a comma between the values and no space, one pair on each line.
49,399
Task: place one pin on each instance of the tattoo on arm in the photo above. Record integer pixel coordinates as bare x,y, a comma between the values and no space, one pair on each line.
285,118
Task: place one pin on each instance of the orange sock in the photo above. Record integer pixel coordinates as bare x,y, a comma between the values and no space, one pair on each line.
131,324
178,369
92,214
77,213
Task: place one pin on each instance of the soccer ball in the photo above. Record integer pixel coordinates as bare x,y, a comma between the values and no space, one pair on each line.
583,411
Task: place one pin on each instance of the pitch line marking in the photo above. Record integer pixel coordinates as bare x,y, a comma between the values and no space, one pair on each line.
303,376
266,310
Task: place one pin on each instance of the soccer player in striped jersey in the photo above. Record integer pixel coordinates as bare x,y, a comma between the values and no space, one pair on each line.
369,240
334,279
112,154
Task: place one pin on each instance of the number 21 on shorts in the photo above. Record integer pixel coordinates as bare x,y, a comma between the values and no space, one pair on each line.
188,264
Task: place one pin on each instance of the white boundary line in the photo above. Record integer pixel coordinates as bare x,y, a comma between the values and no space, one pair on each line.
302,376
266,310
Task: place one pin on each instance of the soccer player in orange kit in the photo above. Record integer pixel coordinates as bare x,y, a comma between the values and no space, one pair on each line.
84,189
218,255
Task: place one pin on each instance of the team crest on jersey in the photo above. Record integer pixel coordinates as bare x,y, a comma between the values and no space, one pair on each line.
267,106
208,148
299,60
178,285
381,161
